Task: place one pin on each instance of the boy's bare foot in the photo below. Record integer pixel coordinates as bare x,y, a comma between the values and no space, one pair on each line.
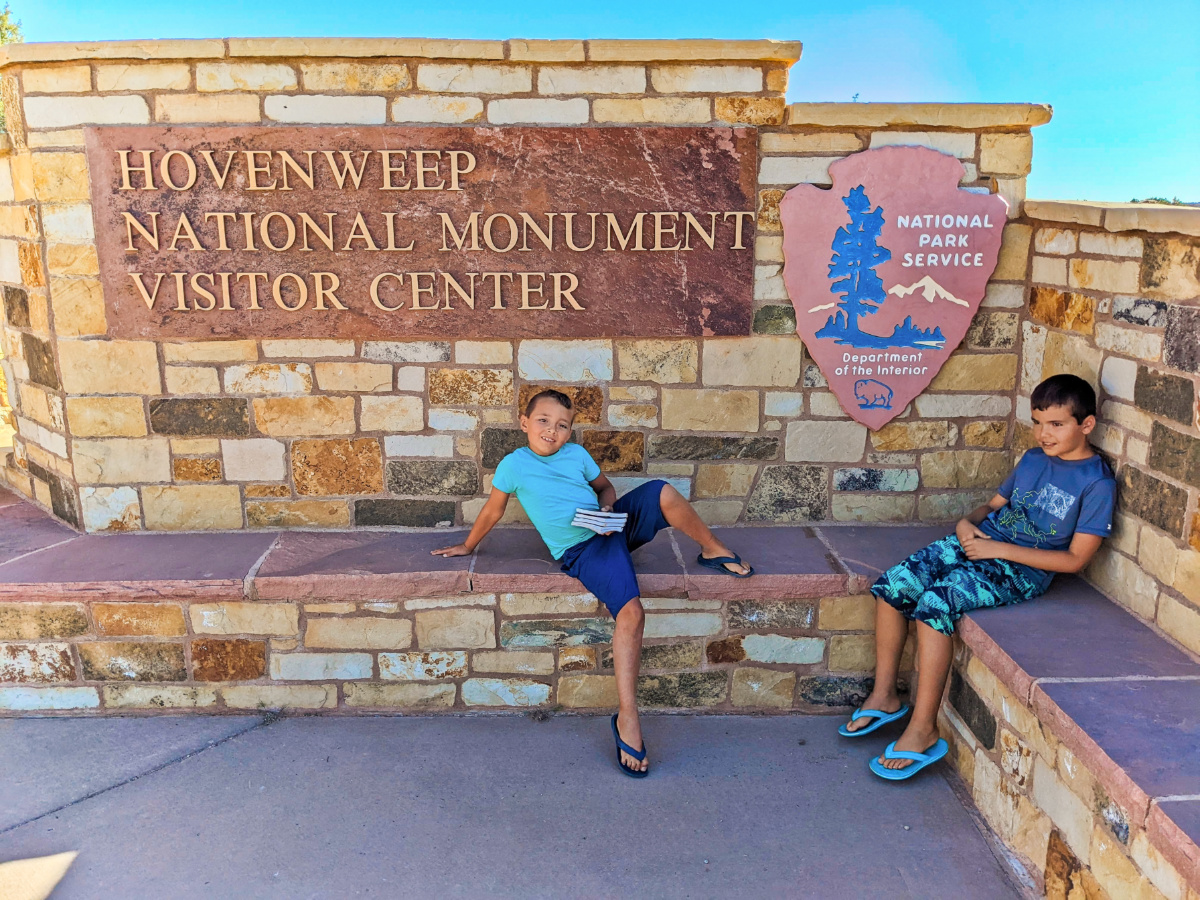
630,730
717,549
887,703
916,739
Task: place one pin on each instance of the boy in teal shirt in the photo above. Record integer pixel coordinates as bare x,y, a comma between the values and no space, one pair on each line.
553,478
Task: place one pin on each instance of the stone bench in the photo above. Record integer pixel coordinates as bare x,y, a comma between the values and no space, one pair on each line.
1076,725
1078,728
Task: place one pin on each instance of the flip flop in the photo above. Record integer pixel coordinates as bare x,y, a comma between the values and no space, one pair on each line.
639,755
718,563
920,760
881,718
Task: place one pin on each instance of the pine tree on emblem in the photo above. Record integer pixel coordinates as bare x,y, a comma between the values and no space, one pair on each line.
856,254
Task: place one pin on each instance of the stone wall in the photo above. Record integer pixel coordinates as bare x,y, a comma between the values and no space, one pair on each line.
255,433
1115,298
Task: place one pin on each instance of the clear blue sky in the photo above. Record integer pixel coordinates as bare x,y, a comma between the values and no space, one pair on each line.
1123,77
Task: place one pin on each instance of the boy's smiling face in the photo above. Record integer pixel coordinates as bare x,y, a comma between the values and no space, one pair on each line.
1059,435
548,426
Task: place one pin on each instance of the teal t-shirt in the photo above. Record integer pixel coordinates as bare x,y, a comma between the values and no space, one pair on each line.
550,489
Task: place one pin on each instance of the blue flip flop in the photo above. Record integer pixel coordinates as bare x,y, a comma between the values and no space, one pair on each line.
881,718
718,563
920,760
639,755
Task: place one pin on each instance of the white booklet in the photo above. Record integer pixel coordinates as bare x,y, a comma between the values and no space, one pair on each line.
599,521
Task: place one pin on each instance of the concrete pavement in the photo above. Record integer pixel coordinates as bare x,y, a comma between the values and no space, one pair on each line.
478,806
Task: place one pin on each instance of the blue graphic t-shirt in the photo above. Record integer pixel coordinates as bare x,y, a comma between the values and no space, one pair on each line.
1050,499
550,489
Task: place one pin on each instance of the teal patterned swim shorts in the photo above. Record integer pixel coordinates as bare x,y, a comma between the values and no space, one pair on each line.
939,584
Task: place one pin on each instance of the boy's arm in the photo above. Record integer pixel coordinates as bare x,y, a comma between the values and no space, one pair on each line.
968,527
491,513
605,492
1083,547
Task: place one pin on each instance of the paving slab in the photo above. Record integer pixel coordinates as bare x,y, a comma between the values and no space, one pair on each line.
869,550
510,807
138,565
1150,729
361,565
48,763
1074,631
25,528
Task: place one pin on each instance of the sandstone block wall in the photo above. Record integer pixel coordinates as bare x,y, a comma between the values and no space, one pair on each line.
1115,298
253,433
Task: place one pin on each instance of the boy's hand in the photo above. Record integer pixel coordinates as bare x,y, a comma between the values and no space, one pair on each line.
977,549
967,531
456,550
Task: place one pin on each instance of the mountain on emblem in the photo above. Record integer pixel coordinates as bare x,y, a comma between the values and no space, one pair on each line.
930,290
886,270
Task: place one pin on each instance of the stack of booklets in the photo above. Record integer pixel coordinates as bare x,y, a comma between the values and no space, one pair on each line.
599,521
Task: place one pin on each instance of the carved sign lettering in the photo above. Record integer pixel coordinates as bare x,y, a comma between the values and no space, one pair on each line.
448,232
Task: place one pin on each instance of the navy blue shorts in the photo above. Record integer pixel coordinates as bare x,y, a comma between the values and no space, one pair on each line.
603,563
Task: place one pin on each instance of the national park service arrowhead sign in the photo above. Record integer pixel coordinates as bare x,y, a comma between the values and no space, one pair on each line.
886,271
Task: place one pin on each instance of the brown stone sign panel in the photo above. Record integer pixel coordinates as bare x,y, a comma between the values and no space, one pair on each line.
448,232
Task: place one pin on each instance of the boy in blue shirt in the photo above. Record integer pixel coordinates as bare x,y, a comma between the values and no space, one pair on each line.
1048,516
553,478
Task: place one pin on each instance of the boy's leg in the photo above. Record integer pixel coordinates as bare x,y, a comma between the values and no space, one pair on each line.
980,584
627,662
680,514
897,592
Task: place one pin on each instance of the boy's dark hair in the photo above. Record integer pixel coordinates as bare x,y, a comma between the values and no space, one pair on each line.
548,394
1070,391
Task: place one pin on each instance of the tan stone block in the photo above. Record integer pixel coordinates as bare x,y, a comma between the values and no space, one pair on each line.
45,140
283,696
269,378
1105,275
192,380
337,466
355,77
587,691
733,480
964,469
768,249
121,461
354,376
1115,873
772,361
1187,570
18,221
977,372
592,80
914,436
109,366
1180,621
1005,154
855,507
1110,244
474,78
750,110
1072,354
409,695
22,176
1169,269
696,79
1072,816
504,692
251,617
138,619
106,416
547,604
29,262
985,434
145,696
191,507
59,80
709,410
1049,270
23,621
1161,873
483,353
195,446
852,653
221,76
1059,241
823,441
60,177
72,259
551,112
661,361
304,416
763,688
1014,253
662,110
189,108
455,628
196,469
391,414
855,613
78,307
210,351
437,109
719,512
521,662
820,142
152,77
359,633
633,416
306,348
1157,554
